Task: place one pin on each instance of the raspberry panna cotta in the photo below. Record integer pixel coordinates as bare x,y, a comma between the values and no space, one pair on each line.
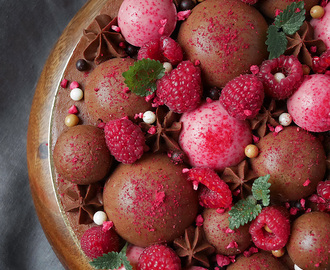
271,229
164,49
181,89
125,140
159,257
243,96
281,76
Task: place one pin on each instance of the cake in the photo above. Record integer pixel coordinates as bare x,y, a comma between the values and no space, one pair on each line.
170,119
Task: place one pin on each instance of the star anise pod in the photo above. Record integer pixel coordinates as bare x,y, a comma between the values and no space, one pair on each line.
266,117
240,177
302,43
167,130
104,43
86,199
194,247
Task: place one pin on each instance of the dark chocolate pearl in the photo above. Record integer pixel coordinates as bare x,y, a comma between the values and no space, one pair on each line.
187,5
131,50
177,157
82,65
214,93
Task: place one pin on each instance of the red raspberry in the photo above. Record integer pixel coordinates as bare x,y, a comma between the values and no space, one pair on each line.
250,2
290,67
242,97
165,49
277,220
159,257
323,196
322,64
219,194
181,89
125,140
96,241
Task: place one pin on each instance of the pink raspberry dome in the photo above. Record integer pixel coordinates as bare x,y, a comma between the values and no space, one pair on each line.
211,138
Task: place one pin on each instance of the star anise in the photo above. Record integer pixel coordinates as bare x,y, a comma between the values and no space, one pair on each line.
86,199
266,117
240,177
166,133
302,43
194,247
104,43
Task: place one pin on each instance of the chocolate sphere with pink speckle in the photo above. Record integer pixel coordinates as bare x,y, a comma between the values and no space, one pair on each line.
150,201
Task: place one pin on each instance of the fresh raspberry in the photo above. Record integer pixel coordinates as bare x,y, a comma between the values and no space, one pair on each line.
292,70
250,2
323,192
242,97
96,241
159,257
219,195
181,89
125,140
322,64
164,49
277,220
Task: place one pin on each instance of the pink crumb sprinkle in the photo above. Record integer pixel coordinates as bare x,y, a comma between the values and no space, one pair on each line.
251,251
255,139
182,15
195,185
228,230
254,69
278,128
209,100
126,90
74,85
73,110
101,125
199,221
303,202
197,63
149,97
185,170
115,28
277,12
232,244
96,89
107,225
222,260
307,182
220,210
122,44
152,130
161,30
64,83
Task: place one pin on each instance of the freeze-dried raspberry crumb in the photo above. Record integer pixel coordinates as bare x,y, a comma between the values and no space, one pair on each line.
125,140
322,64
290,67
242,97
277,220
181,89
159,257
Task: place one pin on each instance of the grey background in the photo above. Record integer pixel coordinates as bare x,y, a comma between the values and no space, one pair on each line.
28,31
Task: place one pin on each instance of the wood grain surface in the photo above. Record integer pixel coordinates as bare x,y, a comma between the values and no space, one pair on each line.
51,219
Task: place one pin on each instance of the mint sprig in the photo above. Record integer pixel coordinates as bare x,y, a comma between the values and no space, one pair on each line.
112,260
286,23
141,77
247,210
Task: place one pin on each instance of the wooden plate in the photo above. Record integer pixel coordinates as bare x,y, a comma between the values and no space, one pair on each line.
51,218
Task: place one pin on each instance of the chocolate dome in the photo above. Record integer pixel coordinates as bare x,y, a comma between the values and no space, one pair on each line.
295,160
227,37
216,227
107,96
309,244
81,155
150,201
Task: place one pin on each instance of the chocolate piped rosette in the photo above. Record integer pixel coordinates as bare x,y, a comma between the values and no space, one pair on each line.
195,135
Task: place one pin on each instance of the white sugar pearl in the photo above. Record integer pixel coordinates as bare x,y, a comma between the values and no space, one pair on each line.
296,267
149,117
76,94
99,217
279,76
168,67
285,119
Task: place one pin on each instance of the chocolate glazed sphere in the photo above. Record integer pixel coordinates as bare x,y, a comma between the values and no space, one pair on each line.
227,37
295,160
309,243
260,261
81,155
106,94
150,201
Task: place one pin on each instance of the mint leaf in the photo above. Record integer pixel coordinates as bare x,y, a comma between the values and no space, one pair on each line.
292,18
112,260
276,42
243,212
141,77
260,189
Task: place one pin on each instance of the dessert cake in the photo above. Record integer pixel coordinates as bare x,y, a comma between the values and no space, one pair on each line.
195,135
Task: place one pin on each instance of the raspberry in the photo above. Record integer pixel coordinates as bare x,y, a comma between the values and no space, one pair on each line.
277,220
250,2
322,64
323,193
181,89
292,70
125,140
242,97
217,194
96,241
159,257
165,49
